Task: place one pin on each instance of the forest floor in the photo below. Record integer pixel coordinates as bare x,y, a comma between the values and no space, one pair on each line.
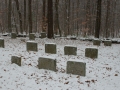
102,73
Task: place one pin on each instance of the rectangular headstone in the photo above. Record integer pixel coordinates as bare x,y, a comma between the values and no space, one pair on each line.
50,48
96,42
31,36
91,53
47,63
2,43
32,46
13,35
108,43
16,60
70,50
43,35
76,68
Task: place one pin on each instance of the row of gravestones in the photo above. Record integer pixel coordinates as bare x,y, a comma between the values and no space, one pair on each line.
43,35
77,68
31,35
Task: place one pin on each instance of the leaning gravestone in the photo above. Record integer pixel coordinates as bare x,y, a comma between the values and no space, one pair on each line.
31,36
76,68
43,35
70,50
13,35
2,42
50,48
47,63
91,53
16,60
31,46
96,42
107,42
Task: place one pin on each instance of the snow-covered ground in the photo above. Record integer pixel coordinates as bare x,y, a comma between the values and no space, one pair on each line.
102,73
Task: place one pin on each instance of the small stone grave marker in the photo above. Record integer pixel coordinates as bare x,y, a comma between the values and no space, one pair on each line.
77,68
16,60
50,48
2,43
31,36
91,53
47,63
32,46
70,50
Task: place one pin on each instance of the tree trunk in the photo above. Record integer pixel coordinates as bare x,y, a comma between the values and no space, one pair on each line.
50,19
98,19
9,16
30,15
20,15
57,27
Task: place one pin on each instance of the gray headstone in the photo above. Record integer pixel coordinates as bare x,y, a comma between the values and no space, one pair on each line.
96,42
47,63
32,46
43,35
91,53
2,43
108,43
16,60
50,48
31,36
13,35
76,68
70,50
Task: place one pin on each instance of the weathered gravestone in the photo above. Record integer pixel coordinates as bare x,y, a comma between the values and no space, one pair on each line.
31,36
43,35
107,42
47,63
13,35
70,50
50,48
2,43
96,42
91,53
76,68
32,46
16,60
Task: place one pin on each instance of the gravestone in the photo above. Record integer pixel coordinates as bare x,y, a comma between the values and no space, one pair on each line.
76,68
31,36
43,35
16,60
32,46
50,48
91,53
47,63
70,50
2,43
96,42
13,35
107,43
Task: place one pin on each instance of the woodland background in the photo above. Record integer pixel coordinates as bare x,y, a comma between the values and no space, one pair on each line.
67,17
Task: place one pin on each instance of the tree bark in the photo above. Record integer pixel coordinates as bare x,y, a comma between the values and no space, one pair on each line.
9,16
30,15
98,19
50,19
20,15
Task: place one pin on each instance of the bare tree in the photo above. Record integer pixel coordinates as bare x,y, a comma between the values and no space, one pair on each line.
98,19
50,19
30,15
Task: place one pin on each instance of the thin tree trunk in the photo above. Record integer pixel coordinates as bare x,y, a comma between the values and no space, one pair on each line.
30,15
98,19
20,15
9,16
50,19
